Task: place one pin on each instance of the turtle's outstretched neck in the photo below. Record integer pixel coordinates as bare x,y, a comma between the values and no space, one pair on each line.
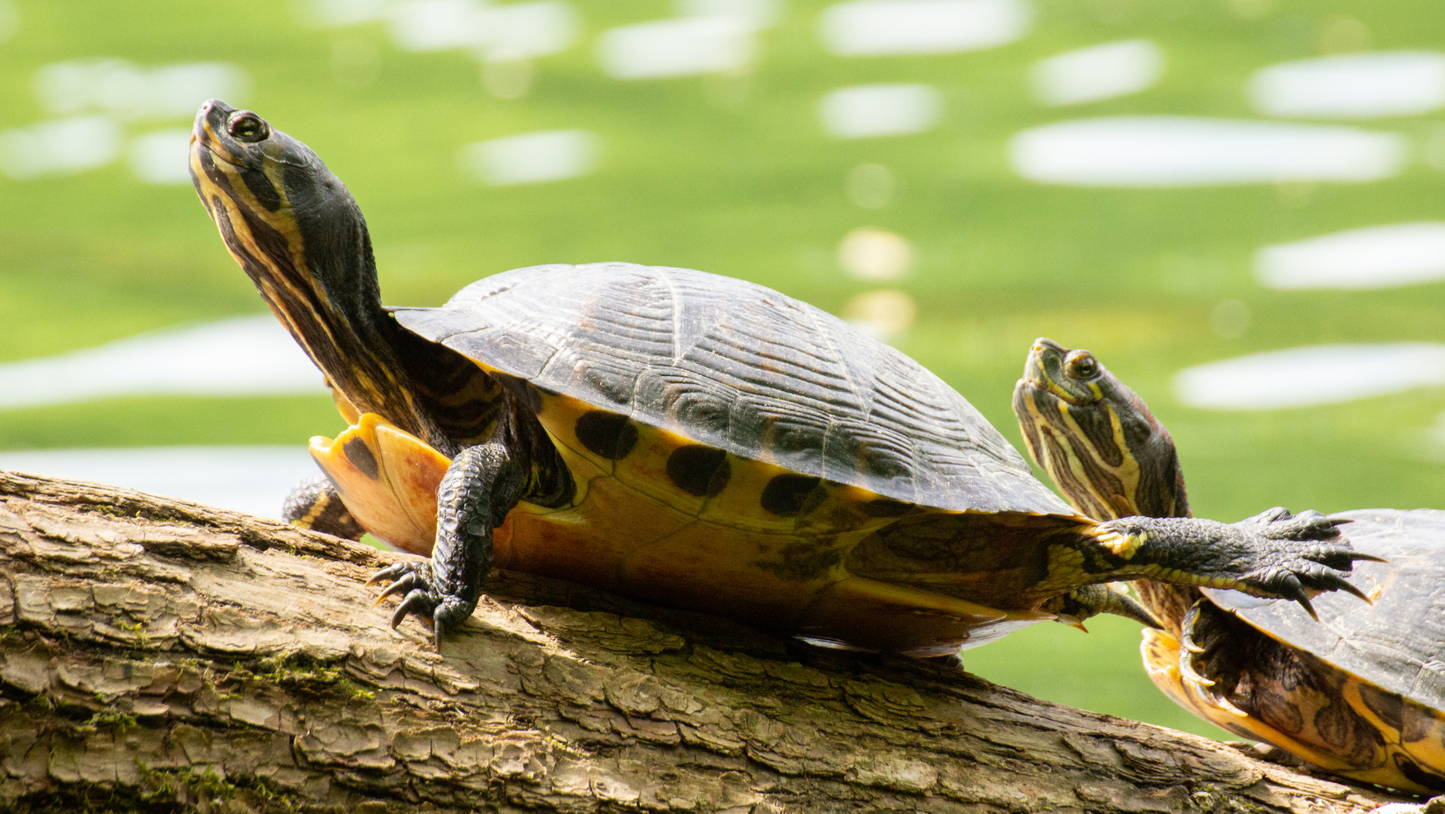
301,238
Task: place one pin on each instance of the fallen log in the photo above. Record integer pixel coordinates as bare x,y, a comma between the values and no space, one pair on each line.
160,655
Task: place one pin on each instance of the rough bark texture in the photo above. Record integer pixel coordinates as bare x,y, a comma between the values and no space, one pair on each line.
157,655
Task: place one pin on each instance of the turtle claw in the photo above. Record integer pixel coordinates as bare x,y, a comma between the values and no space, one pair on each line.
1281,583
393,571
1330,581
1188,673
1304,602
416,602
405,584
412,581
1189,648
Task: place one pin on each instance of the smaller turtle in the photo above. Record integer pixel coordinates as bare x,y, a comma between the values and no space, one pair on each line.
1360,694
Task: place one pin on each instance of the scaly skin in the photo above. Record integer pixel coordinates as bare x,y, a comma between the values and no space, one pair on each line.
480,488
1109,454
314,504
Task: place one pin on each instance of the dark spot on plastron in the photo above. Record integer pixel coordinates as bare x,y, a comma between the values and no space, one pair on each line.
886,507
1332,722
1386,706
699,470
1278,710
1417,722
802,560
608,435
1412,770
785,495
360,456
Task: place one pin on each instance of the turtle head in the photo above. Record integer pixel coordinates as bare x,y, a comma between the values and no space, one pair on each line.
299,235
1095,437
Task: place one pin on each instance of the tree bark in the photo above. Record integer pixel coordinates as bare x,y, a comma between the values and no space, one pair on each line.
159,655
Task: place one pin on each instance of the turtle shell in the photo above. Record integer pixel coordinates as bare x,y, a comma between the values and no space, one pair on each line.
1397,642
736,367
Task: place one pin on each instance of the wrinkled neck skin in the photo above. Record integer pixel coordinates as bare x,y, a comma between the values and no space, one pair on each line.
1159,492
300,237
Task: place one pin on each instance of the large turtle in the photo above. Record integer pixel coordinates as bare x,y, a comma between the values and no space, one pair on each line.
682,438
1361,694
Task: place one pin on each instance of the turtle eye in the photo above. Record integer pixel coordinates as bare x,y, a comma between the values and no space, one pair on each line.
247,126
1083,366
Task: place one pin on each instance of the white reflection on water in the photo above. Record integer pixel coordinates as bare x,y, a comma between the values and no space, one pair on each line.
1303,377
162,157
1098,72
436,25
753,13
250,355
880,110
873,254
531,158
534,29
59,147
882,314
1352,86
682,47
527,29
1182,151
894,27
1375,257
247,479
127,91
342,12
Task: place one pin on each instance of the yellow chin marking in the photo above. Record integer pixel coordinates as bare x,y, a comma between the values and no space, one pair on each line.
388,480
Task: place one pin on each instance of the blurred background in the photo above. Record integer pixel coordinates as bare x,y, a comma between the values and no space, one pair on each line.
1237,204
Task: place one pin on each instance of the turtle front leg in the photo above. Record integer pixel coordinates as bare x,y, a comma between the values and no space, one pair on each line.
480,487
1274,554
315,504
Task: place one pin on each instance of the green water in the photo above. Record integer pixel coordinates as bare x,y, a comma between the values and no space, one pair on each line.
733,174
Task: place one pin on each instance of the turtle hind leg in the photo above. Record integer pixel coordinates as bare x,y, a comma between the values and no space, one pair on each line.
315,504
1274,554
480,487
1088,601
